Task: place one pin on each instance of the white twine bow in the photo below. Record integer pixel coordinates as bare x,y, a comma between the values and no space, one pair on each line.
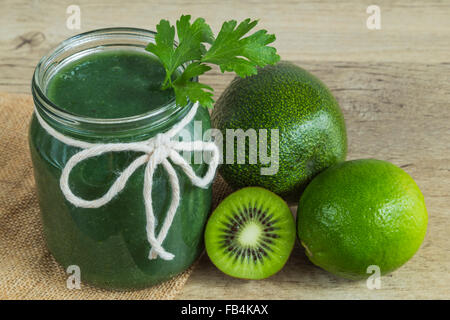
158,150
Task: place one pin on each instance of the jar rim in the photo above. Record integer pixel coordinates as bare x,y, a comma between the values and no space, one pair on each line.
59,114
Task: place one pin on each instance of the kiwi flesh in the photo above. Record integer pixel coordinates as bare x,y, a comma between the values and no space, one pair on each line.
250,235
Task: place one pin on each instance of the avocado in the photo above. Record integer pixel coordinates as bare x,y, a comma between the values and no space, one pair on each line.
311,129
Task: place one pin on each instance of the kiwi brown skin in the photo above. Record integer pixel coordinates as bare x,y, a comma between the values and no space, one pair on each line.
251,234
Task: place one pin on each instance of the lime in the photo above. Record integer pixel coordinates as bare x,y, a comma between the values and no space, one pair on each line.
361,213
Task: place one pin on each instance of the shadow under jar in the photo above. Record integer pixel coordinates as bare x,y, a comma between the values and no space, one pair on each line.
103,87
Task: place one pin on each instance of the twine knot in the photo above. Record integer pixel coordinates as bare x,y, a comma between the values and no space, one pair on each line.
161,148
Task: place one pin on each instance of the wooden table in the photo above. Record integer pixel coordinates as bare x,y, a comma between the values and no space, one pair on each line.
392,84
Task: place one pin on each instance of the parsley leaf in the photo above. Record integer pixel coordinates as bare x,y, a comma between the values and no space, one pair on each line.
163,47
231,51
242,56
186,88
190,45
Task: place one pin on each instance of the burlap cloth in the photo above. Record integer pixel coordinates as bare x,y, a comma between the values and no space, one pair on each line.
27,269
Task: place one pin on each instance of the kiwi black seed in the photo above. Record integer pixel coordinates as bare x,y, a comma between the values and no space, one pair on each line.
251,234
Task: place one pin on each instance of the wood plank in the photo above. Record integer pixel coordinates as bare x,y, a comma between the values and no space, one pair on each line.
397,112
415,31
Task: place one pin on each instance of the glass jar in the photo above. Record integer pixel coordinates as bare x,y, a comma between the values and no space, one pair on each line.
109,244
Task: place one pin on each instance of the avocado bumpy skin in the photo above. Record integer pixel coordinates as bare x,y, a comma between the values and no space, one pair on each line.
311,127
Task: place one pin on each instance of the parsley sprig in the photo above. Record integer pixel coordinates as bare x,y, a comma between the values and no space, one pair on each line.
231,50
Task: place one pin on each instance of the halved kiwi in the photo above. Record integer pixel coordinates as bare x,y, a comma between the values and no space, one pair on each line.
251,234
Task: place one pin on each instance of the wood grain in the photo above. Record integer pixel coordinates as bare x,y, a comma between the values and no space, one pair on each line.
392,84
397,112
411,31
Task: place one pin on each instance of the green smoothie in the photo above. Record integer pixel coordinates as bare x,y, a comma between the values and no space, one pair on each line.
109,243
110,84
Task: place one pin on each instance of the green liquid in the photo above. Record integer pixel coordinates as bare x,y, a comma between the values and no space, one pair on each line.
109,243
110,84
